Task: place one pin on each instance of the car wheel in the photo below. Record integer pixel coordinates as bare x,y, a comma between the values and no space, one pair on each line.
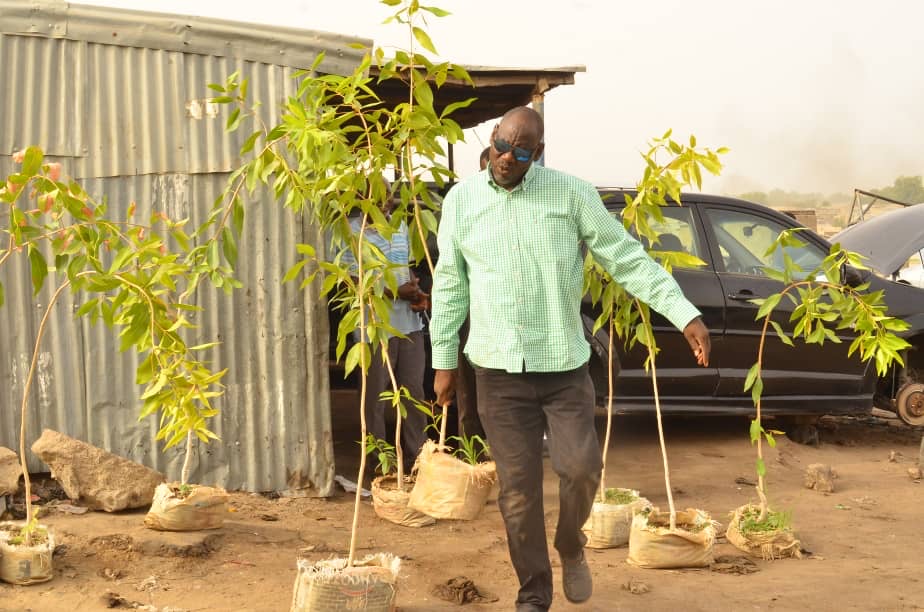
910,403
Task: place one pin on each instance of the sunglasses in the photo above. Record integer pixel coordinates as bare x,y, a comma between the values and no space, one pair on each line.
519,153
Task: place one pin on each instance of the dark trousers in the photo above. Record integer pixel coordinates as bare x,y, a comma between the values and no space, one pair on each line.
466,395
515,409
408,359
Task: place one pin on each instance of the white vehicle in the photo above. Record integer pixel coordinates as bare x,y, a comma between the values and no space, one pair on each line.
913,275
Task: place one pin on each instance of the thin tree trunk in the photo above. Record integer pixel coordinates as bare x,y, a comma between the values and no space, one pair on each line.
27,482
354,527
399,453
187,460
654,384
609,411
443,427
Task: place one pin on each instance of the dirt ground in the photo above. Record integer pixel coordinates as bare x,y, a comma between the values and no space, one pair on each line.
864,542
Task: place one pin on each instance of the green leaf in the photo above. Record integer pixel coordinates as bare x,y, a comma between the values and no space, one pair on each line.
450,108
757,390
229,247
305,249
32,161
783,336
39,268
770,439
755,430
753,374
768,305
214,258
292,273
87,307
352,358
424,39
435,11
248,145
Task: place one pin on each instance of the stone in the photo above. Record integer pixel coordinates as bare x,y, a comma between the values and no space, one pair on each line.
914,473
96,478
820,477
10,471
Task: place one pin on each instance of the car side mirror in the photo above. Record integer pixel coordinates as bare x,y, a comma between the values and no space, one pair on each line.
854,277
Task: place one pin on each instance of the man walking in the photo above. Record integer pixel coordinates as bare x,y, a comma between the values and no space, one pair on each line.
510,258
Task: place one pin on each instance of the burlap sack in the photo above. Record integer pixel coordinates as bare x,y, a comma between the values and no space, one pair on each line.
330,586
25,565
608,524
390,503
653,545
767,545
204,508
447,488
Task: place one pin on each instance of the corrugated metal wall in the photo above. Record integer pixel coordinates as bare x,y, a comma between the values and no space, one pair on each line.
133,125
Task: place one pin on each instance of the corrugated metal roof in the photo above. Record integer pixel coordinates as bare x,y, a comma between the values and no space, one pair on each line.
129,116
277,45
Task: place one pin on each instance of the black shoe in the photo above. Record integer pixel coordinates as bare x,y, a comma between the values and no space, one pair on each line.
529,607
576,580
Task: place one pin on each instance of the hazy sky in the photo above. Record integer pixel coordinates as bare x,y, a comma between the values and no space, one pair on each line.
809,95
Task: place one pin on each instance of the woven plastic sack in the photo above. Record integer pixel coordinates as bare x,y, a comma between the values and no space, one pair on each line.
390,503
25,565
447,488
204,508
653,545
371,584
609,524
767,545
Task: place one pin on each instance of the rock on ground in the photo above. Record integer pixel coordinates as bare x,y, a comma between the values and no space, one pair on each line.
10,471
820,477
96,478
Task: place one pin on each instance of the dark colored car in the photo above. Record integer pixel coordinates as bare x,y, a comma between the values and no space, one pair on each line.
732,237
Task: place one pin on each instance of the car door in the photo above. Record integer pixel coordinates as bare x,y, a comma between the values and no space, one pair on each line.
739,238
680,380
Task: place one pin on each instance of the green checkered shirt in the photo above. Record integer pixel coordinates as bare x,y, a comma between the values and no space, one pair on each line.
513,261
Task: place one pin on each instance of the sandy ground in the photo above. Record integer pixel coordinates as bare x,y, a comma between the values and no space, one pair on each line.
864,540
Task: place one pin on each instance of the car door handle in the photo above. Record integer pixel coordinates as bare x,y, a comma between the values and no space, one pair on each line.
742,296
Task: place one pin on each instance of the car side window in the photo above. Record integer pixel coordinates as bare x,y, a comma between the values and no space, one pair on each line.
744,238
676,231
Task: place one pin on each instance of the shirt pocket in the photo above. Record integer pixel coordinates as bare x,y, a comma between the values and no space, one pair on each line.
552,240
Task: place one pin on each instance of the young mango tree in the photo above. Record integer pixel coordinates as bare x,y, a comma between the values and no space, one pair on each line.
826,308
132,275
623,315
328,158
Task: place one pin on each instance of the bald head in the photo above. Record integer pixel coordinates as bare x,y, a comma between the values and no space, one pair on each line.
528,117
515,143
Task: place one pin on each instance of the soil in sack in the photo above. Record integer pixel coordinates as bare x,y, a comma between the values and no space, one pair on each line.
390,502
178,507
370,584
652,544
21,564
448,488
773,539
610,520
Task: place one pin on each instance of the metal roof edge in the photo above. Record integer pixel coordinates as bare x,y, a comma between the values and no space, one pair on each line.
280,45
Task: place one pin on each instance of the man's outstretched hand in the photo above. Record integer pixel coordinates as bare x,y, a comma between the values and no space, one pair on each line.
697,334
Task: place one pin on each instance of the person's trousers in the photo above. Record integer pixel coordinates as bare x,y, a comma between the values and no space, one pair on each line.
466,395
514,409
408,359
